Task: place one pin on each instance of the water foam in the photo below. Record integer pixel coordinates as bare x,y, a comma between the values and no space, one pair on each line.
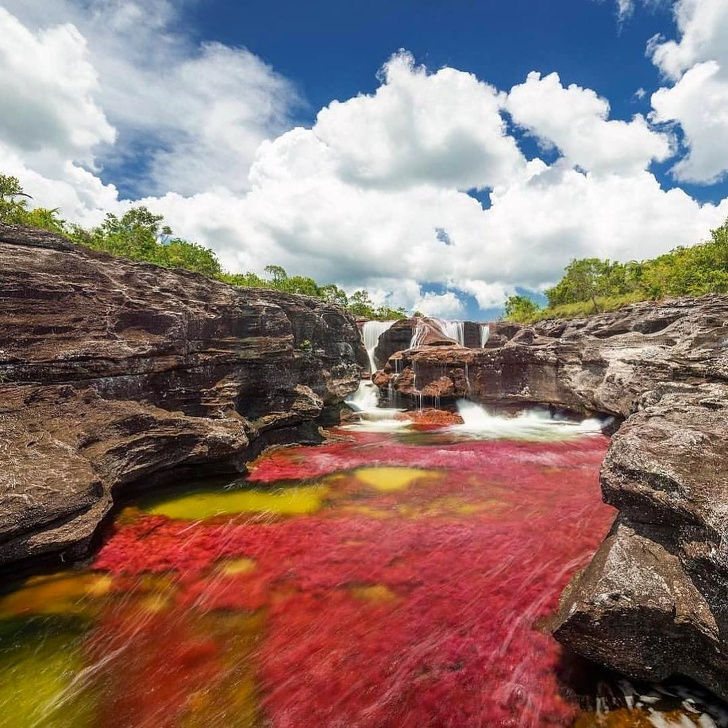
532,424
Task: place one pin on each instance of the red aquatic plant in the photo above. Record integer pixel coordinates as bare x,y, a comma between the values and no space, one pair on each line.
413,607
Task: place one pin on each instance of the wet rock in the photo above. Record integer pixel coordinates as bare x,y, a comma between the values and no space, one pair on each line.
114,373
431,416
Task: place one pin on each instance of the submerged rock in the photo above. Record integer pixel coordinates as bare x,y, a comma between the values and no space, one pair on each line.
114,373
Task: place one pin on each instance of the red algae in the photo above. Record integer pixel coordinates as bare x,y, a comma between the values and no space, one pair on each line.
416,606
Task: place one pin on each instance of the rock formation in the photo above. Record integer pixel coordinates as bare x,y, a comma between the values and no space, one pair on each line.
653,602
116,375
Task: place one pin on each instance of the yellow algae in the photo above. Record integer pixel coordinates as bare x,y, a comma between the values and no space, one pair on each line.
369,511
154,603
231,567
387,478
292,501
38,664
379,593
100,585
57,594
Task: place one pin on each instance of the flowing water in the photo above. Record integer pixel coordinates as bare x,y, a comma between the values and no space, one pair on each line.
399,578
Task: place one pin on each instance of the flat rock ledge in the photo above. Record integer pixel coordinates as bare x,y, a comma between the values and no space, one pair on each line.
116,375
653,602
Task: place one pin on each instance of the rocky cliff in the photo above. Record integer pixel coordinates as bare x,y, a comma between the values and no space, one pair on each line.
654,600
116,375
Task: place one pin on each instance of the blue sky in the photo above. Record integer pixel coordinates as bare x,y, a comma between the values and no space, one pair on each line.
425,150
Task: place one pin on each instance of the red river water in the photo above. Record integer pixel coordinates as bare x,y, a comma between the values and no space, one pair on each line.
386,579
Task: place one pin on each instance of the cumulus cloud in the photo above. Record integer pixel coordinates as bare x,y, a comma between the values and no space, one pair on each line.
446,305
443,128
375,193
192,116
575,120
47,84
697,63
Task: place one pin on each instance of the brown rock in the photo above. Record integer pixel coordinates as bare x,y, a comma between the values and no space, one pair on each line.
115,374
431,416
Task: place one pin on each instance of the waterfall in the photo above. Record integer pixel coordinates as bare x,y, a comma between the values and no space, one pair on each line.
418,334
453,330
484,334
532,424
365,398
370,333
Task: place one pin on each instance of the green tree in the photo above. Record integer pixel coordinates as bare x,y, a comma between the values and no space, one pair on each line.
333,294
15,211
360,304
584,279
520,308
277,273
13,207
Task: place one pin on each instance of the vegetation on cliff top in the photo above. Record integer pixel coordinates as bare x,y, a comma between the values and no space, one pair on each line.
140,235
591,285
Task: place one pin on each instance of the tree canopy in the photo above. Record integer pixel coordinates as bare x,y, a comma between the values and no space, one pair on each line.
592,284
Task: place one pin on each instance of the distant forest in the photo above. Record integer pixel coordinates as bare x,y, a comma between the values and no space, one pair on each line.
142,236
591,285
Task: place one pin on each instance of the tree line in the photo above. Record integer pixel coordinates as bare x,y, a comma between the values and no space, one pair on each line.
592,285
140,235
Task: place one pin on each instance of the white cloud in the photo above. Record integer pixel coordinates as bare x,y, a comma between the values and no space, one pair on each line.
625,8
373,194
703,29
575,120
46,88
698,100
488,295
198,112
443,128
445,305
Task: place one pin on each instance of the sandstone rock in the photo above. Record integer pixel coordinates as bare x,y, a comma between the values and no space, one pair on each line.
115,374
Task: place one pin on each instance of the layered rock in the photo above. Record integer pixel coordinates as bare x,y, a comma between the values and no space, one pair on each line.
115,374
425,331
652,602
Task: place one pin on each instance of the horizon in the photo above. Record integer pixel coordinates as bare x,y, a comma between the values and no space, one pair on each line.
443,160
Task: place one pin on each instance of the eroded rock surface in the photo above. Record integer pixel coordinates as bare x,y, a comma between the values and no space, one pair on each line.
654,600
114,373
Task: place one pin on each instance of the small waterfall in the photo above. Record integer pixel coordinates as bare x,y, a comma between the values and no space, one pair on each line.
484,334
418,334
370,333
453,330
365,398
